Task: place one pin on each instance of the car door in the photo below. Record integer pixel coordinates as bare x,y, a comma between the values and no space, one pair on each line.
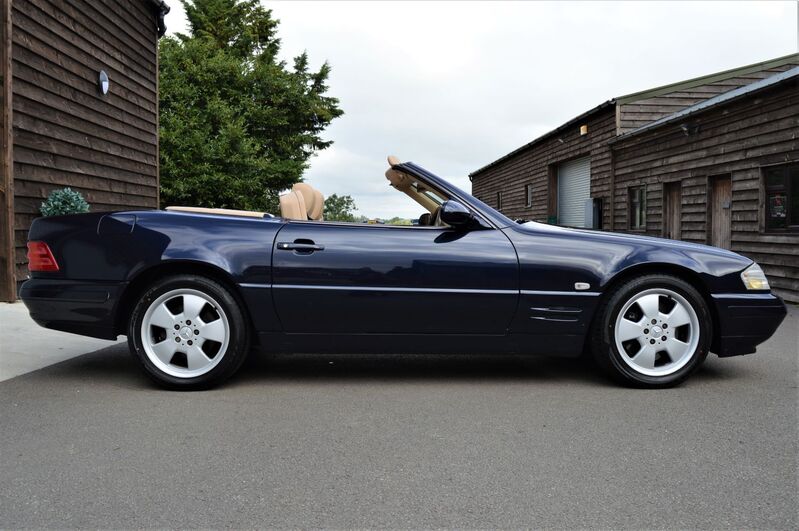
378,279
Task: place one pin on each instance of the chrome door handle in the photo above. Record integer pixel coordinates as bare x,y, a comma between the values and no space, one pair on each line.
300,247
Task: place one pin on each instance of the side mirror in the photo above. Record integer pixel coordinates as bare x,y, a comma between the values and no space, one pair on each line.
456,215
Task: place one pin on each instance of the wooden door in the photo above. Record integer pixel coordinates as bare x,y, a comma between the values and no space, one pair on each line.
720,210
672,210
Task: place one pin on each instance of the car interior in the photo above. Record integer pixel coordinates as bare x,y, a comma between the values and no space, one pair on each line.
428,198
305,203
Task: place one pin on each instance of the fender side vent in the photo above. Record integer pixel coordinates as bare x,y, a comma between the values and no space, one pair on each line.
560,314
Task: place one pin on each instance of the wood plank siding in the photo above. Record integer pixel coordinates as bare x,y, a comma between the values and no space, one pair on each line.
7,253
736,140
65,133
535,165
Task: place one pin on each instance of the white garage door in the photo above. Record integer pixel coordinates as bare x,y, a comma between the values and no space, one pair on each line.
574,188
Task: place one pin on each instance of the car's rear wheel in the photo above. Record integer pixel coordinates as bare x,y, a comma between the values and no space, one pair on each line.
652,331
188,332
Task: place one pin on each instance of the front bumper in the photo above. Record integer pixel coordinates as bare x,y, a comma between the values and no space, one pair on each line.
79,307
745,320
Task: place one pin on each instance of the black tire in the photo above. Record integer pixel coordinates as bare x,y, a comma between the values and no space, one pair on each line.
603,341
238,332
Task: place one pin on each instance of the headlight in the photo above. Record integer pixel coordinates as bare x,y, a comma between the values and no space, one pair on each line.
754,278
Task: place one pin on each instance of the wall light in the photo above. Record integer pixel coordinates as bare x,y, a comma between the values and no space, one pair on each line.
102,82
690,129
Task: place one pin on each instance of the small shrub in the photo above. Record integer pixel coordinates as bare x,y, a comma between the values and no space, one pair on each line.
64,201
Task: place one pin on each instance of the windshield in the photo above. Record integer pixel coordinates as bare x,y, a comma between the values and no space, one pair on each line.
420,188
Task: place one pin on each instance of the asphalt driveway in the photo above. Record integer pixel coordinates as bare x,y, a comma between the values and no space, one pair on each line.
404,442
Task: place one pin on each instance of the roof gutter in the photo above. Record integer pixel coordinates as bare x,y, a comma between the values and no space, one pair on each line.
162,10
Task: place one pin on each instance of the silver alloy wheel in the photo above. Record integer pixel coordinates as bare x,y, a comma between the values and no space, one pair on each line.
185,333
657,332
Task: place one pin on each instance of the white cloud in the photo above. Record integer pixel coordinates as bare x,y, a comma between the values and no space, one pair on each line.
455,85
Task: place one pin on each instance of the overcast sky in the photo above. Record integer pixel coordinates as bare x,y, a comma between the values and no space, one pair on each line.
453,86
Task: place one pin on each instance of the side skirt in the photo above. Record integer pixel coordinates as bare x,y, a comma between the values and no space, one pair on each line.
561,345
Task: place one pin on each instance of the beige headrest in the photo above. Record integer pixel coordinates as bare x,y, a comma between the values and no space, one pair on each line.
319,211
307,194
292,206
314,200
393,161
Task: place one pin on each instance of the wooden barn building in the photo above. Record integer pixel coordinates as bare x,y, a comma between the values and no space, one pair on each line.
79,109
709,160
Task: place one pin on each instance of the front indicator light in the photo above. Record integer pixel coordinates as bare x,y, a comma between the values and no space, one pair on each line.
754,278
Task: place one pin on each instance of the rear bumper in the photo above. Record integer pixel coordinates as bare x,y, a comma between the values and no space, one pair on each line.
745,321
79,307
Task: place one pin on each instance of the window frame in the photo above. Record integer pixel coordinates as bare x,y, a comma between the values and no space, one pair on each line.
528,195
641,202
499,201
791,225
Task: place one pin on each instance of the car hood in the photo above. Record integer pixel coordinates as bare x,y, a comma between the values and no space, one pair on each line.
597,237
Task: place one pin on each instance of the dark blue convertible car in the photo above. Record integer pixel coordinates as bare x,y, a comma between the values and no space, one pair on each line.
194,289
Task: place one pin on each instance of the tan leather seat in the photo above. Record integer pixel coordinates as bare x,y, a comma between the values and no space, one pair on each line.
292,206
320,205
314,200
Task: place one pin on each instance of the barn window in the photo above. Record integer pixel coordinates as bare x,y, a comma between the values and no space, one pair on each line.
528,194
782,198
636,200
499,200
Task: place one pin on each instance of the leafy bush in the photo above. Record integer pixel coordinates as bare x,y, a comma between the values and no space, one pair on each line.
339,208
64,201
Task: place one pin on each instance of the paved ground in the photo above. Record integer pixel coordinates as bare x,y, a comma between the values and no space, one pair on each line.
25,346
403,442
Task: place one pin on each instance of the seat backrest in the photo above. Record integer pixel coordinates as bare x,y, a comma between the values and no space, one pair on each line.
314,200
319,211
292,206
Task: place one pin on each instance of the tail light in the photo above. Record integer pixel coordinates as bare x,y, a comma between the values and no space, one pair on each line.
40,257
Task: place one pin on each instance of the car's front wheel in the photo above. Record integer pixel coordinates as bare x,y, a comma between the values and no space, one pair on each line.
188,332
652,331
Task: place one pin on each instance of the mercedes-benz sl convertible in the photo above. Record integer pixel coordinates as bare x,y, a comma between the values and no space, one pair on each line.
194,289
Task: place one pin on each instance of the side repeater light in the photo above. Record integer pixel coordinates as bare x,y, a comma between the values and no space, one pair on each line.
40,258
